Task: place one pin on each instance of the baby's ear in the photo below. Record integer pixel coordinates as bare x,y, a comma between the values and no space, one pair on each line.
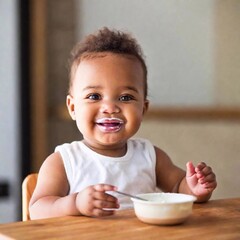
71,106
145,107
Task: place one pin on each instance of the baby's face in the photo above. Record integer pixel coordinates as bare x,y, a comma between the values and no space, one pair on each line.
107,100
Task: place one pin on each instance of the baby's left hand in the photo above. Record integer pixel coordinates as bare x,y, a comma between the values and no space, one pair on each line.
200,179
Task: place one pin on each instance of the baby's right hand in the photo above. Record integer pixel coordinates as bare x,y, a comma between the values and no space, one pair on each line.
93,201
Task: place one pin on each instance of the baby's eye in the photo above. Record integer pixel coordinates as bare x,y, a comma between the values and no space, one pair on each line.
94,96
126,98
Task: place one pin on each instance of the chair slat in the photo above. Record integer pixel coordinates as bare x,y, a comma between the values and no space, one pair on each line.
28,186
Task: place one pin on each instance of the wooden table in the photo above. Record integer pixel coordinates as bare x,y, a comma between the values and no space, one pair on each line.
217,219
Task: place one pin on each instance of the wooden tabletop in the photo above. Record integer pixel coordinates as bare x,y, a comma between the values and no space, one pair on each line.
217,219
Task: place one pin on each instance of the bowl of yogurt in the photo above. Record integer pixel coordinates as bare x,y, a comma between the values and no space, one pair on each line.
163,208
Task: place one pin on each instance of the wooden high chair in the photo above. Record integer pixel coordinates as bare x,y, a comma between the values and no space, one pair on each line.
28,186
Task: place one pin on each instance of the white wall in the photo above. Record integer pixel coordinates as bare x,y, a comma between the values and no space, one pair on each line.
192,47
9,110
215,142
193,57
177,39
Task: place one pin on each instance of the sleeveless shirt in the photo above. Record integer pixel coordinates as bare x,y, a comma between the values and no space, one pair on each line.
132,173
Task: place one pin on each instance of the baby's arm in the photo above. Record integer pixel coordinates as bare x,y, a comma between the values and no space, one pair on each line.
51,199
168,175
199,181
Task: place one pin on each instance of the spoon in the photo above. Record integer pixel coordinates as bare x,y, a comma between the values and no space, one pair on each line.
132,196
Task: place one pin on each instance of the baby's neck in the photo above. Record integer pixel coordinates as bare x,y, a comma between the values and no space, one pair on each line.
110,151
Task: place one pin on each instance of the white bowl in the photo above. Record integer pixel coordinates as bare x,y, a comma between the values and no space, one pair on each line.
163,208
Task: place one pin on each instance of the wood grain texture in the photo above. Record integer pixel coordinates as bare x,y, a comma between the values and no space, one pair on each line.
38,94
217,219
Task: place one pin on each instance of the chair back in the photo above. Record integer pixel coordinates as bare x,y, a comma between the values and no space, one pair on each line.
28,186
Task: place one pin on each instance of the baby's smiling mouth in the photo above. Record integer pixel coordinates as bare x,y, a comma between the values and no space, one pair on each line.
109,124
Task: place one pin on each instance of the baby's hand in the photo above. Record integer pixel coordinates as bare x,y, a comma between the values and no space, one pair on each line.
94,202
200,179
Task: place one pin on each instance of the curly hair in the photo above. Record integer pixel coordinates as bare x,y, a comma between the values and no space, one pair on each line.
106,40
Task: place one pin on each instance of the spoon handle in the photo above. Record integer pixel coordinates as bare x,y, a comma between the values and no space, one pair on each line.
132,196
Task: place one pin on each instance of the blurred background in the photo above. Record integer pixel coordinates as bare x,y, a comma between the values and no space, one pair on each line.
192,51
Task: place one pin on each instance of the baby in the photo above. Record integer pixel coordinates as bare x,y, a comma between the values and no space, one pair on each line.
108,99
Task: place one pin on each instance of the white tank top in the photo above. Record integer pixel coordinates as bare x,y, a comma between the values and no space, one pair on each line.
133,173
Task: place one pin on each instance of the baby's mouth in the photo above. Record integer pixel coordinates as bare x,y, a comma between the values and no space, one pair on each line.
109,124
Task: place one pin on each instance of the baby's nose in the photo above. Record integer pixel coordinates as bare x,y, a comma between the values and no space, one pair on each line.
109,107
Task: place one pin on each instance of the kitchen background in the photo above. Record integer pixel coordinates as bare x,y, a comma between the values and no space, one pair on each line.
192,51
